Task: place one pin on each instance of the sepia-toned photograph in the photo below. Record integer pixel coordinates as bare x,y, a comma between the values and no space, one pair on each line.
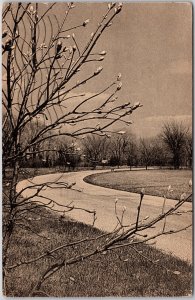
97,149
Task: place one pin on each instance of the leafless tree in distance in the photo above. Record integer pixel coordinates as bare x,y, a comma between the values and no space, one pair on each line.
95,149
118,147
145,152
174,136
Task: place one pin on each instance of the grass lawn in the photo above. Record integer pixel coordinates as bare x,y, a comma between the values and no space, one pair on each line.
122,272
155,182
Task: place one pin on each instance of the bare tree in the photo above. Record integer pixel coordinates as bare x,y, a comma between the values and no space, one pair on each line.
159,155
145,152
42,73
174,136
118,147
95,149
132,151
42,64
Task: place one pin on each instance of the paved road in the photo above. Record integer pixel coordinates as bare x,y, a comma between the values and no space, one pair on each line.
103,201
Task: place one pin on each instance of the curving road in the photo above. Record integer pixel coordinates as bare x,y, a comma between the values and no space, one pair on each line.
102,200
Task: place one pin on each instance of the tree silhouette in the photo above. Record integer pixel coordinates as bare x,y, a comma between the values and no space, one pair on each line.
174,136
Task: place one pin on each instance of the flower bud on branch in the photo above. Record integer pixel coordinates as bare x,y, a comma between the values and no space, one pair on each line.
118,9
59,46
136,105
111,5
142,193
85,22
119,77
31,9
124,208
4,34
119,86
101,58
71,5
99,69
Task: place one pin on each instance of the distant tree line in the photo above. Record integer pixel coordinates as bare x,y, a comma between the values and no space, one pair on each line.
171,148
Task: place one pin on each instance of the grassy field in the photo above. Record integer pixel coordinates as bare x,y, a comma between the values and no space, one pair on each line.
155,182
122,272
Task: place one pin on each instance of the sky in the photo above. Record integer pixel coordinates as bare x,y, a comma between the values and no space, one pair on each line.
150,44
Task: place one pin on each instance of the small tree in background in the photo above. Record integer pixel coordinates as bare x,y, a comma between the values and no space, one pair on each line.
118,148
132,151
159,155
145,152
174,137
95,149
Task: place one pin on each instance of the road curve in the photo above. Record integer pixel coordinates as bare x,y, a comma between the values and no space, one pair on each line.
102,200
